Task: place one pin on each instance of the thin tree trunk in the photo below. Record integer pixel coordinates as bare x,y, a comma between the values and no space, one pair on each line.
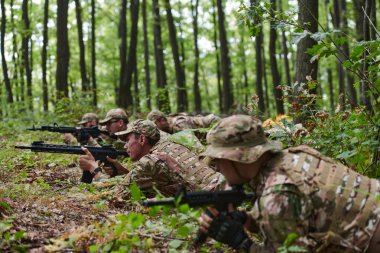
146,58
197,95
182,103
163,102
306,70
45,99
285,52
276,78
264,73
365,96
25,53
82,57
15,80
93,55
218,75
63,53
7,82
122,32
336,18
225,61
346,52
126,99
259,67
244,62
136,97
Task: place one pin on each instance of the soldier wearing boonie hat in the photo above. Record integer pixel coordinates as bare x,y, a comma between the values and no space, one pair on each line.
330,207
89,117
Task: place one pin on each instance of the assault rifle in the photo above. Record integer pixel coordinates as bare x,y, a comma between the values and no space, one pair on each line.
82,134
218,199
99,153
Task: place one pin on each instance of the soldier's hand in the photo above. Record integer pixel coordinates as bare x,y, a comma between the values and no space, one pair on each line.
87,161
227,228
121,170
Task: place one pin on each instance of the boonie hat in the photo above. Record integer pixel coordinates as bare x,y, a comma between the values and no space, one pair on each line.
117,113
144,127
87,117
239,138
155,115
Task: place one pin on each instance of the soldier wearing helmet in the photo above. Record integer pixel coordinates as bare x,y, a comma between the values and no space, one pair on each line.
143,145
329,207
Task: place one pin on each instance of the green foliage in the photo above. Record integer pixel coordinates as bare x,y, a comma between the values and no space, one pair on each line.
11,238
288,245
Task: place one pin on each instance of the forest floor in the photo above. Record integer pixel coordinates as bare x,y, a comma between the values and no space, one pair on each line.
44,208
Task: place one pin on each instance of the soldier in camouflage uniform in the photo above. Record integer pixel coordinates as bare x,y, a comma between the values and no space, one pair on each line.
116,120
88,120
143,144
175,123
330,207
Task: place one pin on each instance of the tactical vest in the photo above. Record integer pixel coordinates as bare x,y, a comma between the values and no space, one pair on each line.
354,194
194,171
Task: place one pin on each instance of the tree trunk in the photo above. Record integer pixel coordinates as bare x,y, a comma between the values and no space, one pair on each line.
346,52
146,58
15,60
276,78
7,82
259,67
25,53
364,86
136,97
306,71
122,32
179,71
45,99
82,58
126,99
285,52
218,75
163,102
93,55
63,53
337,22
244,63
197,94
264,74
225,61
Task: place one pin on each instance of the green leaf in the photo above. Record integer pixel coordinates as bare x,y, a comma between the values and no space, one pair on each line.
94,248
135,192
175,244
183,231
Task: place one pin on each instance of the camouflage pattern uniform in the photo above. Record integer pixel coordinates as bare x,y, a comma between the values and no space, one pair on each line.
70,139
151,171
180,121
329,206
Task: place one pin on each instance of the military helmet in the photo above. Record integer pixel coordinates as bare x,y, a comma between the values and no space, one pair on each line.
144,127
87,117
155,115
239,138
117,113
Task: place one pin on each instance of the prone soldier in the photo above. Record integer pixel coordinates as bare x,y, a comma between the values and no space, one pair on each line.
330,207
143,146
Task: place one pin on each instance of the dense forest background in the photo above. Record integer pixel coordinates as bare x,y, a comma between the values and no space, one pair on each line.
316,61
198,56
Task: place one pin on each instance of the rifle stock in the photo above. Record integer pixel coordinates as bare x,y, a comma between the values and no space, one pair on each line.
99,153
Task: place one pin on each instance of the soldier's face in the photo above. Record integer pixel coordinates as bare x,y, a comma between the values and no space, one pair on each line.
231,172
90,123
133,146
114,125
162,124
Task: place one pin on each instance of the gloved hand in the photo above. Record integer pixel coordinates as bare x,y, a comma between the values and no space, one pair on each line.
229,229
